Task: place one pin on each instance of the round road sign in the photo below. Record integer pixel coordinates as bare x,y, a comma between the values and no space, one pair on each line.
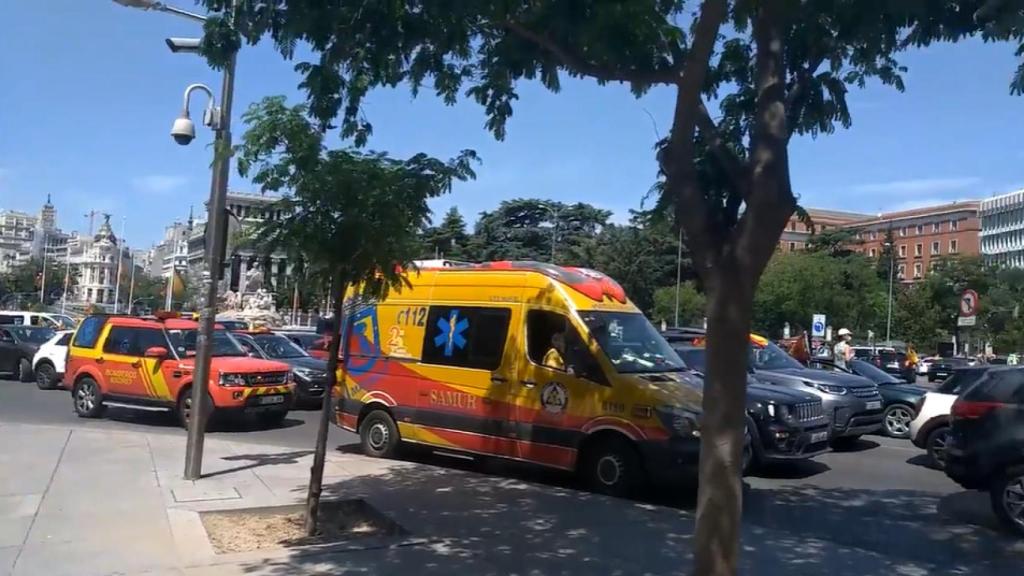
968,303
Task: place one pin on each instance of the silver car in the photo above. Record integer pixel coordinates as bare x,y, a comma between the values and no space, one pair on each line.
852,402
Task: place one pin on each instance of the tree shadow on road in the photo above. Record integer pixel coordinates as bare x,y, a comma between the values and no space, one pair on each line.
464,522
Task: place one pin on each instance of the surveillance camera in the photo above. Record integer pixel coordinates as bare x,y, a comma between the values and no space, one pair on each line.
183,44
183,131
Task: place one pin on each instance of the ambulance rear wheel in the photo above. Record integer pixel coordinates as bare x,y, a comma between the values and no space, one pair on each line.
378,435
88,398
612,466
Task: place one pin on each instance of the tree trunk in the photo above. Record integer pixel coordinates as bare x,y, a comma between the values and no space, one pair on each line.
719,496
316,475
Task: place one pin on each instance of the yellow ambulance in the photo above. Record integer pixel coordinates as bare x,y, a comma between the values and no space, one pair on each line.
525,361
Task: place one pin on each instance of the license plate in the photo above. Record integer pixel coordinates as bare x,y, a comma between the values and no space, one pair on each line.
819,437
271,399
874,405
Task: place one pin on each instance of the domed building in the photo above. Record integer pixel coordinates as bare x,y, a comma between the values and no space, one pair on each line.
97,266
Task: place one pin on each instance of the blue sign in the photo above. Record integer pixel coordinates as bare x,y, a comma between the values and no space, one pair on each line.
818,327
451,333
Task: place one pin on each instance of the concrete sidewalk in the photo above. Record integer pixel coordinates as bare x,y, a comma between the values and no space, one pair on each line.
85,503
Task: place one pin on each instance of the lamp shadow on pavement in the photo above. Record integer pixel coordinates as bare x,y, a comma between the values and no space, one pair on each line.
259,461
464,522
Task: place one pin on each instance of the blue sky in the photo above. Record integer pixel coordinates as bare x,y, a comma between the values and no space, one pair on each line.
86,110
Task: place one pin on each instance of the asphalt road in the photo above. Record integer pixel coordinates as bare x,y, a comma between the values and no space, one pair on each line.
878,496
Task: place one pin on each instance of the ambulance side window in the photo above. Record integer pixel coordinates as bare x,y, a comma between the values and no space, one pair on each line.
119,341
89,331
470,337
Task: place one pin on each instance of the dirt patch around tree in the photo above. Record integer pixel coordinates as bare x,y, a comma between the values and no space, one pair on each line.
249,529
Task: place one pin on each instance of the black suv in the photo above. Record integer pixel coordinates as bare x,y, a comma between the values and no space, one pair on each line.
986,445
783,425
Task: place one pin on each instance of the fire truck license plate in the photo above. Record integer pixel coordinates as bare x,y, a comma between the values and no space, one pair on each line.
272,399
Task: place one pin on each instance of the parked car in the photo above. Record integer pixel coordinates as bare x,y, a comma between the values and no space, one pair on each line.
986,444
930,429
783,425
942,368
18,345
302,339
925,364
149,365
48,363
54,321
310,374
894,362
851,403
899,399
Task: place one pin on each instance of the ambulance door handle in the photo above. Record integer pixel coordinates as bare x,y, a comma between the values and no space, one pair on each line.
529,383
137,364
100,360
498,379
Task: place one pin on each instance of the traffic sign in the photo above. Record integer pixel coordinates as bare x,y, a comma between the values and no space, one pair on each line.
818,326
967,321
969,304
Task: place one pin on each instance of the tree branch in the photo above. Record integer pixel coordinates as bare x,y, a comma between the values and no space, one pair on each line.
732,163
581,66
803,81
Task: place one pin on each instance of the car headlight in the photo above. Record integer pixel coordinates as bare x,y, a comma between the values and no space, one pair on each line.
828,388
233,380
309,373
683,422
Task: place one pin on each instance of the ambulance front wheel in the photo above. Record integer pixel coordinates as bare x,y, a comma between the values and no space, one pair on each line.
378,435
612,466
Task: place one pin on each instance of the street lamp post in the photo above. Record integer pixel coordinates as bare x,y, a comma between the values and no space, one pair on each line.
892,267
554,229
221,122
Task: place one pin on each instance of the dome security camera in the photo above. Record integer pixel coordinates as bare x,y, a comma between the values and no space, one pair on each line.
184,130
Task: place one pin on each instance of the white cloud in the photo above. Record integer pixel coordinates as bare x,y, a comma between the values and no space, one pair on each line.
917,186
159,183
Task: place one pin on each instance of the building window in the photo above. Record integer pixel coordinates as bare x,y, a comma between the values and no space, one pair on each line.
792,246
954,225
917,269
936,227
874,235
953,246
920,229
936,248
792,226
918,250
903,232
901,271
903,250
873,252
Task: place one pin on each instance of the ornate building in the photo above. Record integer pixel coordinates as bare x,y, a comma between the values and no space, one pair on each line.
97,264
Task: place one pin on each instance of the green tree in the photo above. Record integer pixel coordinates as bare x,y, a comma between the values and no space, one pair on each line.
797,285
449,239
527,229
351,217
692,304
23,284
775,69
916,318
837,242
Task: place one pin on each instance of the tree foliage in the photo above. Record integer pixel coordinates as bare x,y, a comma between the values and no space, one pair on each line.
692,304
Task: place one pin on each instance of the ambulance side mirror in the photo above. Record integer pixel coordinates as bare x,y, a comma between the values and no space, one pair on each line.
156,352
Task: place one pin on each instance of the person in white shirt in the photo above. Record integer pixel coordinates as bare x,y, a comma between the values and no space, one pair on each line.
843,352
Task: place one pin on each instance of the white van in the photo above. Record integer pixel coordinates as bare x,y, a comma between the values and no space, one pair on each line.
55,321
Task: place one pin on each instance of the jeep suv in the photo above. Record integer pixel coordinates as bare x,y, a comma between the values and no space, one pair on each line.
986,442
147,364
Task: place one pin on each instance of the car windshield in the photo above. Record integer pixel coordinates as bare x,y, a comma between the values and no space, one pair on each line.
184,342
871,372
63,322
771,357
277,346
694,358
32,335
630,342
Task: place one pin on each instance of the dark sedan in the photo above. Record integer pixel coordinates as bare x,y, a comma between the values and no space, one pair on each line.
943,368
310,373
18,344
895,363
899,398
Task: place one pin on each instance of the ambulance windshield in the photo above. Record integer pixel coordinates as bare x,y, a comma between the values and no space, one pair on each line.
630,342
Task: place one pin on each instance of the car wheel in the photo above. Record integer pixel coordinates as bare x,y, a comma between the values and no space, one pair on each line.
936,446
46,376
185,409
612,466
751,462
25,370
1007,494
378,435
897,419
88,398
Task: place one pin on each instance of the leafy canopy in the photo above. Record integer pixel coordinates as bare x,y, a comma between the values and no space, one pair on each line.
348,215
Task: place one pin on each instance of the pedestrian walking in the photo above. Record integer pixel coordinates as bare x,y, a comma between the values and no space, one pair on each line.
843,352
